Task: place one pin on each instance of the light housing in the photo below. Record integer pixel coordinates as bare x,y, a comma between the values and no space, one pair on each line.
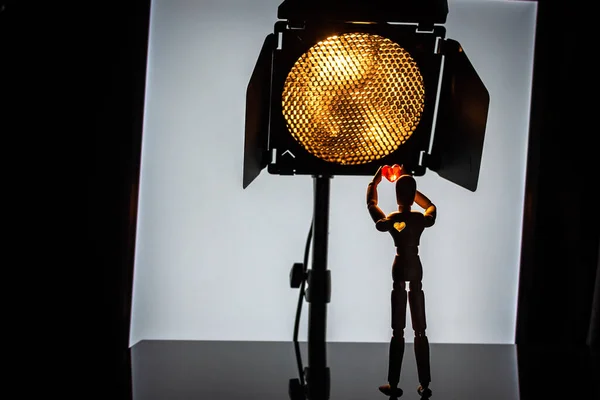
342,90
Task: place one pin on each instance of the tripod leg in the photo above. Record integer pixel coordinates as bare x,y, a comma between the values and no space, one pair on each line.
416,299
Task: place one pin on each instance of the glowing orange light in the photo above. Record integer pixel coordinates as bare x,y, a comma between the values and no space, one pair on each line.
354,98
391,173
399,226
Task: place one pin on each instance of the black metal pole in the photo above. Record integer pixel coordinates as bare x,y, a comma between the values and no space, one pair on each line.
319,291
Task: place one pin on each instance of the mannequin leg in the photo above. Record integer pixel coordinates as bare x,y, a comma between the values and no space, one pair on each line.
396,351
416,298
399,298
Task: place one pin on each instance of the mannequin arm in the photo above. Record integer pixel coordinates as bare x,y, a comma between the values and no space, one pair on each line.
430,209
372,199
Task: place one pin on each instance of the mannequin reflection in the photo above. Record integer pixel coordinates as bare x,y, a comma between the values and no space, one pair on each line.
406,227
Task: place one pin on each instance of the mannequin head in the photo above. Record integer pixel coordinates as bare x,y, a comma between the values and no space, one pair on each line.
406,187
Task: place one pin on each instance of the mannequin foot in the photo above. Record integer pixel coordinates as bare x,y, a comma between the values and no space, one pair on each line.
424,391
389,391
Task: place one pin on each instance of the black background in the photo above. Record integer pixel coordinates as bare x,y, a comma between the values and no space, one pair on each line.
560,235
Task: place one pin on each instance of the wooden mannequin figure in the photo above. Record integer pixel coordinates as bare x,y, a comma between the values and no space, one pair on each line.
406,227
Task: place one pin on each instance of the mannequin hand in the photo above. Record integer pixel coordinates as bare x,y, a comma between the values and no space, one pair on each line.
377,177
404,171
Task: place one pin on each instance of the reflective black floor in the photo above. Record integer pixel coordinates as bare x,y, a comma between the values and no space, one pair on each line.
263,370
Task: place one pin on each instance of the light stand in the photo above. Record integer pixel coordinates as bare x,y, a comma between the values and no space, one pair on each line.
318,293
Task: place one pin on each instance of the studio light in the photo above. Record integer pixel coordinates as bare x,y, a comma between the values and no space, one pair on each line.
343,87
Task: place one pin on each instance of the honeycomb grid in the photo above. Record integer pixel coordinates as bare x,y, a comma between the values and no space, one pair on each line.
353,98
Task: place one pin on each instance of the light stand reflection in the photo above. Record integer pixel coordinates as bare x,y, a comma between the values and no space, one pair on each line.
313,382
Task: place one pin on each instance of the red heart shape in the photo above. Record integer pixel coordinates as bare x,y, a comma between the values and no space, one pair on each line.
391,173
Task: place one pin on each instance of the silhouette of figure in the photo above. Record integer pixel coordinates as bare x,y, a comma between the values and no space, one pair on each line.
406,227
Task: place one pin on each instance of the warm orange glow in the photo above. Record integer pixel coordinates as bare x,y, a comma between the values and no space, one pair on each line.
399,226
353,98
391,173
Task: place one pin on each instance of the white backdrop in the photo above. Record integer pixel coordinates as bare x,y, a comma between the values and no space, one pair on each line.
213,260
